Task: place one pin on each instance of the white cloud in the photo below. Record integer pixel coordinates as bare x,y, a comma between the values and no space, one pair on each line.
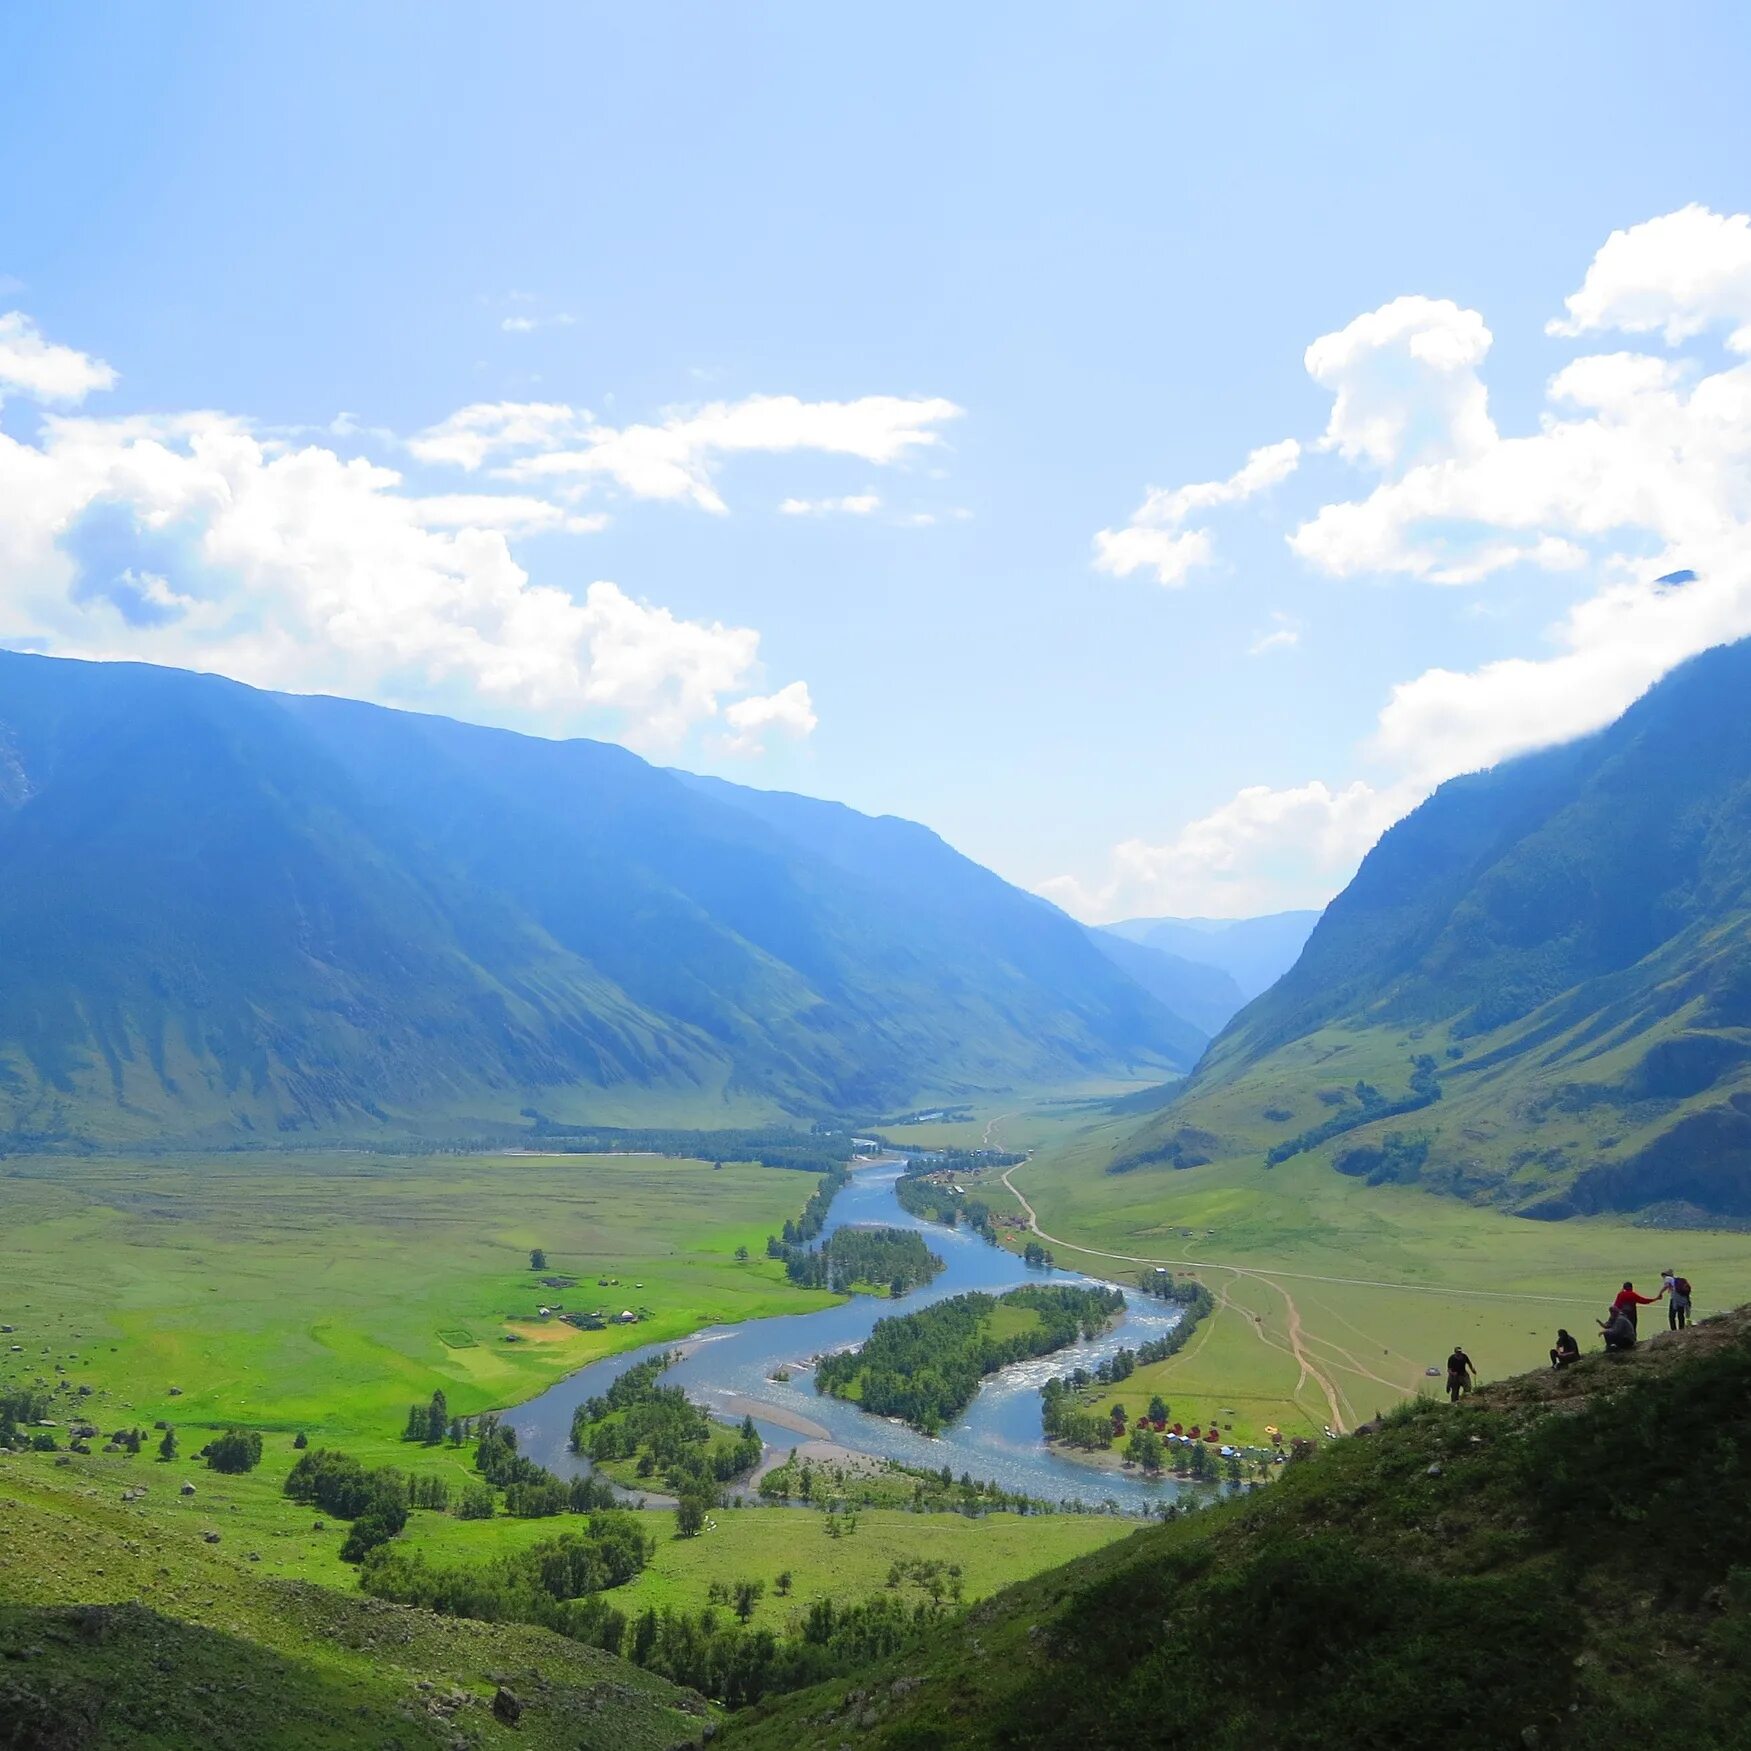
678,458
43,371
1264,850
1283,634
487,428
1637,471
529,324
860,504
513,513
191,540
1404,383
1155,539
1676,276
790,712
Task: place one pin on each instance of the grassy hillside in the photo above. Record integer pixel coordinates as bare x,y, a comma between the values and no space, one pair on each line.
1561,1562
120,1629
231,916
1536,992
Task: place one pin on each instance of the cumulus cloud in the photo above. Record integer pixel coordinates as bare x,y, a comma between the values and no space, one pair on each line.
45,372
1256,853
1636,478
860,504
788,712
1155,538
1674,276
1404,383
194,540
678,458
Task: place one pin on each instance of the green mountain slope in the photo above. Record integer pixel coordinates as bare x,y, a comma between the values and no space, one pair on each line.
1562,1562
1537,989
227,914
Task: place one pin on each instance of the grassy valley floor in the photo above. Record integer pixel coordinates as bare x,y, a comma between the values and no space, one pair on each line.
1334,1298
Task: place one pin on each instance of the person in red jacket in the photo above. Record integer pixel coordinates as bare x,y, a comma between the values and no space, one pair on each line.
1628,1301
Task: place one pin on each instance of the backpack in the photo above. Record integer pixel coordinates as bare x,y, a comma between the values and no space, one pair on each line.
1681,1287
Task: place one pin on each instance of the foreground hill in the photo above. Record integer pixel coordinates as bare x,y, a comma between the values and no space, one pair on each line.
225,913
1561,1562
1536,991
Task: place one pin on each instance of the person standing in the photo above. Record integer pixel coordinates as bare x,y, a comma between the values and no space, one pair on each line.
1461,1375
1628,1301
1677,1290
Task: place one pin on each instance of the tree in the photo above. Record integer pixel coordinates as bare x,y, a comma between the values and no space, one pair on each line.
167,1447
747,1595
237,1450
300,1441
437,1419
1158,1409
690,1512
782,1585
741,1255
537,1259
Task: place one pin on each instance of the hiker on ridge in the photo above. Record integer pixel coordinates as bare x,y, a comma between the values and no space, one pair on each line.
1567,1350
1628,1301
1678,1307
1461,1375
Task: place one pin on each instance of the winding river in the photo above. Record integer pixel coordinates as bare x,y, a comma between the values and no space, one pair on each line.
729,1369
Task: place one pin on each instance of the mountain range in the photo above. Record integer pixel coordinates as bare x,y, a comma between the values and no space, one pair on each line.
1253,953
228,914
1535,993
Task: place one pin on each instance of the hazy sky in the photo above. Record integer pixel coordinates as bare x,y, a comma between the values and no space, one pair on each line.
1152,445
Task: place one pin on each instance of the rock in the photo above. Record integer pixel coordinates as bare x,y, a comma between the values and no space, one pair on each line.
188,1489
507,1705
210,1537
1433,1471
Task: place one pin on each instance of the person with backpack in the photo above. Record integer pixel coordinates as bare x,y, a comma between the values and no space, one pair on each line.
1677,1288
1567,1350
1461,1375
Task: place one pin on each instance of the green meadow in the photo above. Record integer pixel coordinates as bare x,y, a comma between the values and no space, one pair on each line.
328,1291
1334,1296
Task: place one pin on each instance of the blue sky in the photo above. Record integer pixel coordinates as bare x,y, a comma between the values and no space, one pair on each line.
957,285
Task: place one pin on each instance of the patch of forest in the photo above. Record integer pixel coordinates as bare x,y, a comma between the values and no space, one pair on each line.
894,1259
925,1367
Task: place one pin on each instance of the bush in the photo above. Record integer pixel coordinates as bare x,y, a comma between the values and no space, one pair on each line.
237,1450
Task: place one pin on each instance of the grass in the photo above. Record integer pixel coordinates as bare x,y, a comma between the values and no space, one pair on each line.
329,1291
225,1654
1419,1273
760,1544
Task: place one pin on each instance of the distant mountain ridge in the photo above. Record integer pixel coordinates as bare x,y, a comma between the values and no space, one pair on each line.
1536,991
228,914
1253,952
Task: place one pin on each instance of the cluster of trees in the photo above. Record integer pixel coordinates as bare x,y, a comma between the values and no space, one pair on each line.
664,1432
429,1423
707,1650
1371,1106
532,1492
932,1202
237,1450
376,1501
800,1230
1064,1409
1036,1255
524,1586
896,1258
817,1151
833,1486
925,1367
20,1407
